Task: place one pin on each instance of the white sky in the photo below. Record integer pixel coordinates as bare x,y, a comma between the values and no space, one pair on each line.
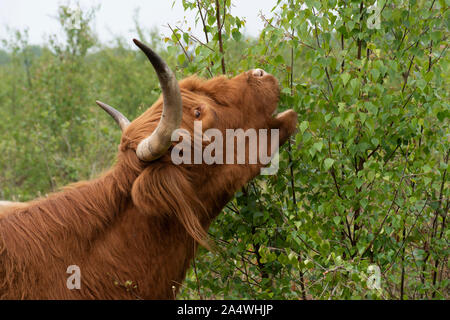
115,17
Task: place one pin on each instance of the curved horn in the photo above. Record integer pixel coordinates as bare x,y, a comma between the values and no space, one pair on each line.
121,120
155,145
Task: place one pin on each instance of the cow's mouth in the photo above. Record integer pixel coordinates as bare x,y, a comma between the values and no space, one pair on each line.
286,121
278,115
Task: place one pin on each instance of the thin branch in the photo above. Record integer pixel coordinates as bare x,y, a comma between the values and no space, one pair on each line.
438,58
287,34
405,237
203,21
361,6
409,70
329,80
435,223
199,41
390,208
178,39
196,277
219,30
291,169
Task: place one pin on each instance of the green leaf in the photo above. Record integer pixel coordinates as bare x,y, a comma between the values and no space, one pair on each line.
375,74
421,84
315,73
236,34
181,59
303,126
328,163
354,83
364,202
345,77
318,146
186,37
337,220
359,182
279,59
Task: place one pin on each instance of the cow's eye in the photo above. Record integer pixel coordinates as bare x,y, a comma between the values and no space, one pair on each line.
197,113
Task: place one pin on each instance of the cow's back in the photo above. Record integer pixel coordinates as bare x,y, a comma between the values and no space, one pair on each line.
8,206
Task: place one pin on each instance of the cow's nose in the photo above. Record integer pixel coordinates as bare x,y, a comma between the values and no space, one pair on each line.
258,72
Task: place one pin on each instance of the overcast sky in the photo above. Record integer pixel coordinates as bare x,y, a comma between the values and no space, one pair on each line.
115,17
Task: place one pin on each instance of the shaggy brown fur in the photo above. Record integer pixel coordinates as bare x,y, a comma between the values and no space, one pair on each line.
4,205
139,222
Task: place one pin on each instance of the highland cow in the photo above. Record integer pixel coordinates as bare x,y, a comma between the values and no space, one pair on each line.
134,231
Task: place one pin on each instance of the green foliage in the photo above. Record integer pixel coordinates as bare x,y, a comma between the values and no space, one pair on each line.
365,180
362,186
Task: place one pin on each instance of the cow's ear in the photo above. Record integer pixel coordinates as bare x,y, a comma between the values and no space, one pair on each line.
164,190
